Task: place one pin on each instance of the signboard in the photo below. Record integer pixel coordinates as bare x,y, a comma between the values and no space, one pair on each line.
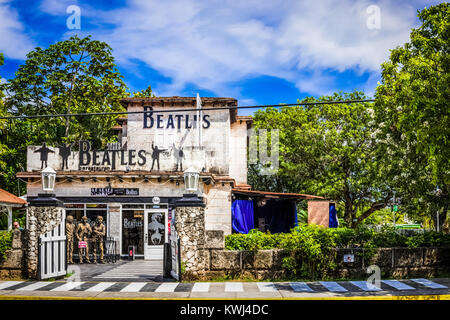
114,191
156,200
349,258
82,244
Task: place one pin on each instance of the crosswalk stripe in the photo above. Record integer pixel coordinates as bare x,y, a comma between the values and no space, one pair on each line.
333,286
429,284
6,284
133,287
234,287
100,287
366,286
67,286
266,287
398,285
201,287
300,287
167,287
34,286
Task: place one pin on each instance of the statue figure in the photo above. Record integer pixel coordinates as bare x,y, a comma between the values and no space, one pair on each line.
70,228
98,233
82,232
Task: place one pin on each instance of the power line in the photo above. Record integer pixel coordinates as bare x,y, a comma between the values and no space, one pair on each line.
181,110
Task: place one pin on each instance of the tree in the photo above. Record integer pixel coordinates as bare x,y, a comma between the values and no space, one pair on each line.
146,93
413,114
71,76
327,150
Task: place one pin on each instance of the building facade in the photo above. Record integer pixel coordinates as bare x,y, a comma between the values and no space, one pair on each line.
134,183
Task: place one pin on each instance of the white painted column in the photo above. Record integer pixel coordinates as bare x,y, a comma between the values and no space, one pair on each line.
9,218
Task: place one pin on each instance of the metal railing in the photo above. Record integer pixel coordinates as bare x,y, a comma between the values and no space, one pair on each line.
111,252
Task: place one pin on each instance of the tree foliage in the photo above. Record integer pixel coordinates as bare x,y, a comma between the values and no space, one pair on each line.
413,114
327,150
146,93
71,76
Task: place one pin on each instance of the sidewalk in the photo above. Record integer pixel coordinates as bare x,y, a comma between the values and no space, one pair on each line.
225,290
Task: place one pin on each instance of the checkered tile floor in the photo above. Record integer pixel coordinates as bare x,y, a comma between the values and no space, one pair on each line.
320,286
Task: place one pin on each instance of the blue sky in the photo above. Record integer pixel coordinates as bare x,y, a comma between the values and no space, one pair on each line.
259,52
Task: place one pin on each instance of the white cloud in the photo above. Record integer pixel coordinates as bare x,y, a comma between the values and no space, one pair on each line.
14,43
215,43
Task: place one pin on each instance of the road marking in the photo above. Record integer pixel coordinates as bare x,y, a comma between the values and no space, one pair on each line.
266,287
398,285
4,285
100,287
333,286
167,287
68,286
366,286
234,287
429,284
34,286
200,287
134,287
300,287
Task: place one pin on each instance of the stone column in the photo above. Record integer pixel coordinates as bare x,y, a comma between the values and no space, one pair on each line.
43,215
190,228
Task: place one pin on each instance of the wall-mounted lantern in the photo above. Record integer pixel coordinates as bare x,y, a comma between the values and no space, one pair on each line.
190,198
48,179
191,180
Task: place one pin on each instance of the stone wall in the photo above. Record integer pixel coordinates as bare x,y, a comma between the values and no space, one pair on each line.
204,257
267,264
13,266
39,221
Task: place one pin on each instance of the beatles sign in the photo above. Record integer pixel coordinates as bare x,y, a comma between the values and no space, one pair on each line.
161,121
109,158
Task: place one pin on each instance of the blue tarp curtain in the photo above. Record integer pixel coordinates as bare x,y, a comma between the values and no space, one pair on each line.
242,213
333,222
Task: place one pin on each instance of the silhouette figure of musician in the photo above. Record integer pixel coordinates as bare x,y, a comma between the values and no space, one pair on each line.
155,155
44,151
64,152
179,156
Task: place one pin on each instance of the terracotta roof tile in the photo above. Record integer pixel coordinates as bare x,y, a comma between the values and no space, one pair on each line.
6,197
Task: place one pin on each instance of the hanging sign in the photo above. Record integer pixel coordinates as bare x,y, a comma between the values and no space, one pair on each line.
156,200
349,258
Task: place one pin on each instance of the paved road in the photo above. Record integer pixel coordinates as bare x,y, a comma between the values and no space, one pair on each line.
225,290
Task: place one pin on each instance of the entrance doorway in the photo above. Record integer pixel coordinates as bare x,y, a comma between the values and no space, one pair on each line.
155,233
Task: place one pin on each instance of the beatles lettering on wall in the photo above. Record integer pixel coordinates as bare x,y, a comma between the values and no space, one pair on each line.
173,121
98,160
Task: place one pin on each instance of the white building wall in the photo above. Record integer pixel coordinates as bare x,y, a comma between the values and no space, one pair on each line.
238,152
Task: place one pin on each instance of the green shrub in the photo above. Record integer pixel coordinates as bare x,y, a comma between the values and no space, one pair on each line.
310,248
254,240
5,243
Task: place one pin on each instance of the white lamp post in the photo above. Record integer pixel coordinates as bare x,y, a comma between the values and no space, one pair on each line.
190,198
48,179
191,180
